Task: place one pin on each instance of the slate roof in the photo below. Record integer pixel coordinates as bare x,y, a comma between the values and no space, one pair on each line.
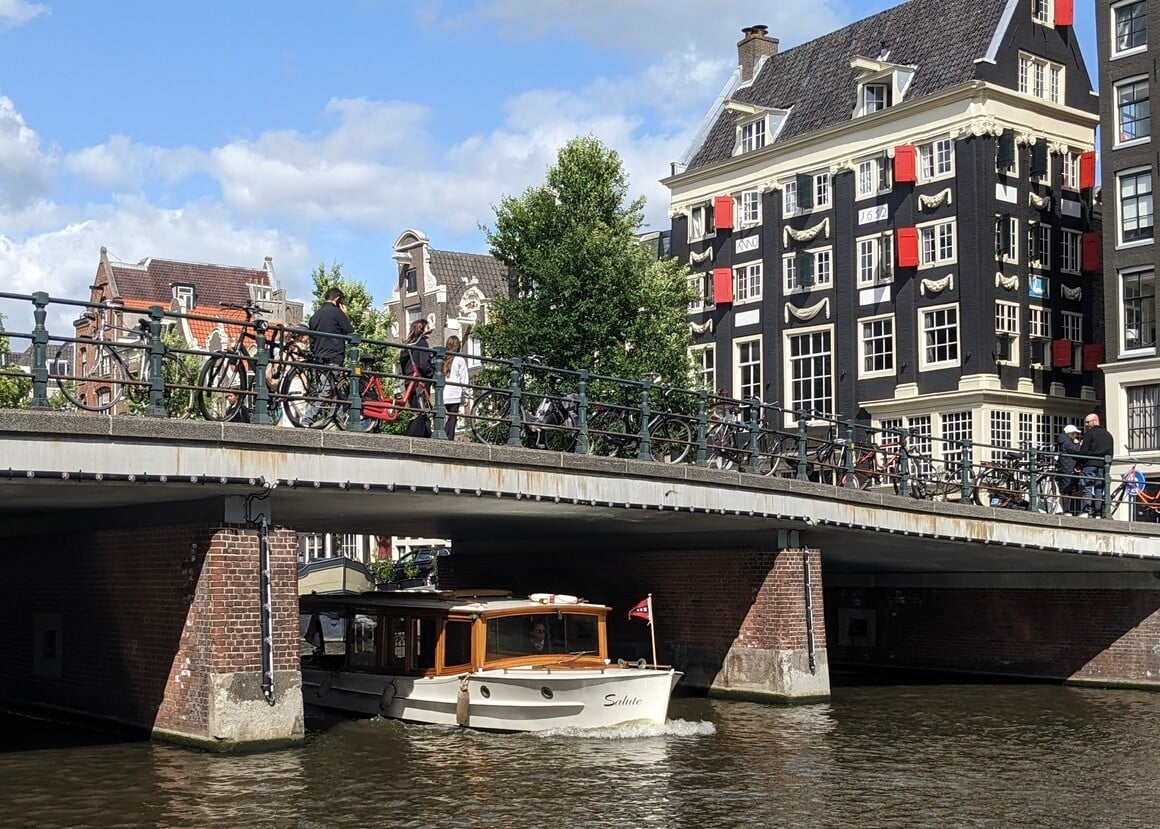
152,279
943,40
453,268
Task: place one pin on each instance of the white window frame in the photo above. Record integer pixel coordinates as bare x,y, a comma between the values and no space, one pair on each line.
1011,256
1121,175
1039,240
925,329
1007,322
822,191
1118,139
1114,49
752,135
1038,322
1070,173
871,177
749,208
184,295
822,281
1122,277
747,282
1070,250
891,337
934,236
794,404
701,222
1041,12
704,372
747,374
874,259
936,159
1072,329
874,96
789,201
1041,78
697,282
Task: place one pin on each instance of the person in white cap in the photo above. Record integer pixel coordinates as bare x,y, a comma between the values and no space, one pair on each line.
1070,487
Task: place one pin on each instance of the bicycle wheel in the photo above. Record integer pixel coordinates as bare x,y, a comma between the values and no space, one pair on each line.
778,454
315,406
99,382
670,439
1048,495
608,434
994,487
491,418
1119,495
915,483
223,385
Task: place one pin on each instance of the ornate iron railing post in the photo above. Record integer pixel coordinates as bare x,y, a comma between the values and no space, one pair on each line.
965,470
439,427
515,409
904,462
40,351
753,421
156,390
702,426
582,414
1107,510
803,472
1032,479
354,387
851,456
644,451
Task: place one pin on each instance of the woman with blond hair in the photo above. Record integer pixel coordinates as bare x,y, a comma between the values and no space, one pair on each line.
456,393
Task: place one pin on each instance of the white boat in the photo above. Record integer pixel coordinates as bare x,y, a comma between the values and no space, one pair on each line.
480,659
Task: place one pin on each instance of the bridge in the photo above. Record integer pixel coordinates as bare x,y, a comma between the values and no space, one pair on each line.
152,566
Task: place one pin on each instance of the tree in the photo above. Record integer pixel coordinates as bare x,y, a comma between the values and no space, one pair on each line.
584,294
15,384
370,322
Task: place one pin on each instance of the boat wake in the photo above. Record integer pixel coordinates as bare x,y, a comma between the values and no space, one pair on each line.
632,731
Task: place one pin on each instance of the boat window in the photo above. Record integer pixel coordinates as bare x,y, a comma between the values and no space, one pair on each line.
365,636
580,633
457,642
524,636
323,634
425,643
395,654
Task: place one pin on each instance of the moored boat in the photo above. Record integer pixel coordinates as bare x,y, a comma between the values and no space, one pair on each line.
481,659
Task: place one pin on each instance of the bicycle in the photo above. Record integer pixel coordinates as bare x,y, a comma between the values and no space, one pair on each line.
114,371
1133,488
614,429
378,407
1005,482
727,439
548,421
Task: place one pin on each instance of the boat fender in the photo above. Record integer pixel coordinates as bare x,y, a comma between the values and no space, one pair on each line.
462,702
325,686
642,663
555,598
387,698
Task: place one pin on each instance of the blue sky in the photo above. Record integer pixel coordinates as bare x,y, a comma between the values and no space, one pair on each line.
224,131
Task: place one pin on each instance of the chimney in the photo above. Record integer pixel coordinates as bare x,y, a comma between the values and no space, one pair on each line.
756,44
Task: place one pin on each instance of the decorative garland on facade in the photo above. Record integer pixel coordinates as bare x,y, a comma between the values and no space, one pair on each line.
809,233
938,199
978,128
1074,294
1010,283
809,312
937,286
698,258
1039,202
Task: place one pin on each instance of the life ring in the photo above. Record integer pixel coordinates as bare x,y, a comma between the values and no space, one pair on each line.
555,598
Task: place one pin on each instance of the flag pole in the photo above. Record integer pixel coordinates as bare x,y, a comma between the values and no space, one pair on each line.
652,630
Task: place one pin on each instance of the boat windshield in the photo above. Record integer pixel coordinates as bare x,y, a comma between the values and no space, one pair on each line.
541,633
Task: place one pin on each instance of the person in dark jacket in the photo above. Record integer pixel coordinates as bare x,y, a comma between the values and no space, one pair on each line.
1067,447
330,318
417,360
1097,442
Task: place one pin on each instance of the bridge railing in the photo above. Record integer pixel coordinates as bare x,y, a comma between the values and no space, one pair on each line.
133,360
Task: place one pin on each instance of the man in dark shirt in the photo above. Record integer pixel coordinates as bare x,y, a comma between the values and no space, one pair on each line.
330,318
1097,442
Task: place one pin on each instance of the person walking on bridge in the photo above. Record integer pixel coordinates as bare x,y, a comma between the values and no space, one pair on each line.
1097,443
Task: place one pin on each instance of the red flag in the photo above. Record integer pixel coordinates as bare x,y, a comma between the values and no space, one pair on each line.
643,610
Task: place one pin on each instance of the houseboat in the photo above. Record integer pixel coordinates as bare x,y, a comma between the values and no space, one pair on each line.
479,659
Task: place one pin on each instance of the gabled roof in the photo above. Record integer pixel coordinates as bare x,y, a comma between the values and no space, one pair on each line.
942,40
458,270
153,279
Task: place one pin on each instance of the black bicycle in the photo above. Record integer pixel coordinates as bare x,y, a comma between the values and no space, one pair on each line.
548,420
614,430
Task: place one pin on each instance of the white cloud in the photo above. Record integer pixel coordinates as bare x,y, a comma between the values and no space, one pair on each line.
15,13
25,172
120,164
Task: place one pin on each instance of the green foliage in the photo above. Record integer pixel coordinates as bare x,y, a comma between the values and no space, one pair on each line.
370,322
383,568
15,384
585,294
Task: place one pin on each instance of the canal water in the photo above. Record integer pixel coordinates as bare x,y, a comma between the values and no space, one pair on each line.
962,755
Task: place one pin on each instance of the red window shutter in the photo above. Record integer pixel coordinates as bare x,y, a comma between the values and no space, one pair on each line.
1093,355
723,212
907,246
904,168
1061,353
1090,257
1087,170
722,286
1064,13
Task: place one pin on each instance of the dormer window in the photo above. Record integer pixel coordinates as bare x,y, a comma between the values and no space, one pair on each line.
1041,12
261,293
881,84
757,126
184,295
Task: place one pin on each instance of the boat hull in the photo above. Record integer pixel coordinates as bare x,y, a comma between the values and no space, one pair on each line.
511,699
